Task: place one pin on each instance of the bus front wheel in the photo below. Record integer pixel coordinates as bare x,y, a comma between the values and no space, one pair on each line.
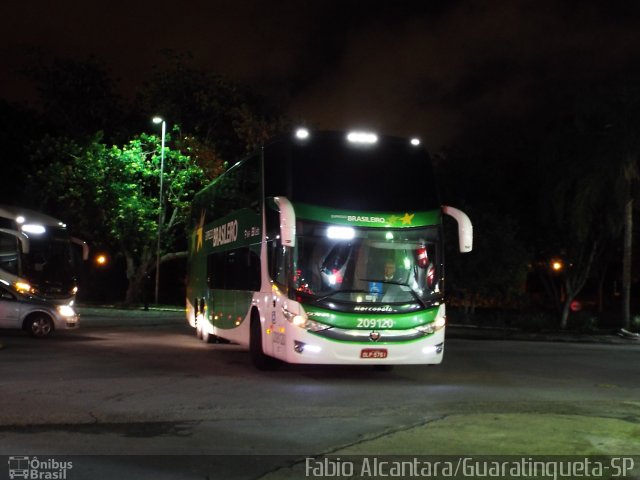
258,357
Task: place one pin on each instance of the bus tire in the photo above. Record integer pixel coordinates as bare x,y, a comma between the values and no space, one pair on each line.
207,337
198,329
258,357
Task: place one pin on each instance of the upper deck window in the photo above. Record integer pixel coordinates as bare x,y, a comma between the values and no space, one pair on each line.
327,169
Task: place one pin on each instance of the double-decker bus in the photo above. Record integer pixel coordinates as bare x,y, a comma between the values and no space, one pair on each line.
323,248
37,254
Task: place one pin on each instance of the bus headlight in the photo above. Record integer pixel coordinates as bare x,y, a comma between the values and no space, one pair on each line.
434,326
314,326
311,325
303,322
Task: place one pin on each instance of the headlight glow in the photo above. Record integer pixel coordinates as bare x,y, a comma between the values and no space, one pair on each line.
66,311
340,233
33,228
302,133
434,326
362,137
303,322
298,320
22,287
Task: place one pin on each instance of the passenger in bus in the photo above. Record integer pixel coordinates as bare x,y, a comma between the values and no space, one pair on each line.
389,271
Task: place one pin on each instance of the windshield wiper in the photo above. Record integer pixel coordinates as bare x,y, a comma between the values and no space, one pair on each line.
324,297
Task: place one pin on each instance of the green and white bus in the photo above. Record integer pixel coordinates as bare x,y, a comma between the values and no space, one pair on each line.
323,248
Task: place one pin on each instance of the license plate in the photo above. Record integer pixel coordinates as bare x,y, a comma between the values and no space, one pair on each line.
373,353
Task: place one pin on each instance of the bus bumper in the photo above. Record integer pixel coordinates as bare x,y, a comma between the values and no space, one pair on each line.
307,348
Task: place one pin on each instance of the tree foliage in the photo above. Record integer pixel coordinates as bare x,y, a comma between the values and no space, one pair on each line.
104,181
592,163
77,97
494,273
227,119
111,194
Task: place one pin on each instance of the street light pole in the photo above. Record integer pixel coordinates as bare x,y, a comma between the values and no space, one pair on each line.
161,212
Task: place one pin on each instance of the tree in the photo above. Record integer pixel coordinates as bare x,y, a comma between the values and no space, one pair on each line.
576,201
227,120
592,166
495,272
18,127
112,193
623,108
77,97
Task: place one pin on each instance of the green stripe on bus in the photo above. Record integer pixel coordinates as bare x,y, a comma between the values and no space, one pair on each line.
371,320
406,219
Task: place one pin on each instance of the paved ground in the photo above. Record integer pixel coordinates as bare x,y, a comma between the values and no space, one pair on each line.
474,430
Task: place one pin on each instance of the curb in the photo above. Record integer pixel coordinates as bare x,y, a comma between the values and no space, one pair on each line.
475,332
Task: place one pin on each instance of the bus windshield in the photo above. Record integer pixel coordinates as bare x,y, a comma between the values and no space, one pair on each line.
344,267
49,266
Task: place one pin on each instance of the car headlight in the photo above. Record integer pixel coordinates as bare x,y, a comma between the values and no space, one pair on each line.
66,311
23,287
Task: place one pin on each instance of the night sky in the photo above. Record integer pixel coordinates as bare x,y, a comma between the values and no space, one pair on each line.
429,68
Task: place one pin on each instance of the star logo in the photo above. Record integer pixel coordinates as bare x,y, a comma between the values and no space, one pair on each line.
407,219
199,232
393,219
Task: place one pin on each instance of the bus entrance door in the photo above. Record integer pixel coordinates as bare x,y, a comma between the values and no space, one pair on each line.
277,327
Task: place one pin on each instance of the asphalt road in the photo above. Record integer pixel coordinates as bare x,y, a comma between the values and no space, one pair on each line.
142,385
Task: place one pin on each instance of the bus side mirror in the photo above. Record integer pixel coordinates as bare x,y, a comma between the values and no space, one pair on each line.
83,244
465,228
24,240
287,221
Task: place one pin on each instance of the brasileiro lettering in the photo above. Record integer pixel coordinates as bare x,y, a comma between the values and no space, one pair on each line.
358,218
223,234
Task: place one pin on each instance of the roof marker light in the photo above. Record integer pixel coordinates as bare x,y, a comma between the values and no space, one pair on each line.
415,142
302,133
362,137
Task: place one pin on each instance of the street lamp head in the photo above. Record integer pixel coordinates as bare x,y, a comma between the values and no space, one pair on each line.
157,120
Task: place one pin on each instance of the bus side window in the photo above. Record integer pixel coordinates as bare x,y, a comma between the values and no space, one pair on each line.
8,253
237,269
276,253
253,271
215,270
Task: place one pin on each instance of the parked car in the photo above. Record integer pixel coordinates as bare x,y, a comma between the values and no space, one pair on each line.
37,316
